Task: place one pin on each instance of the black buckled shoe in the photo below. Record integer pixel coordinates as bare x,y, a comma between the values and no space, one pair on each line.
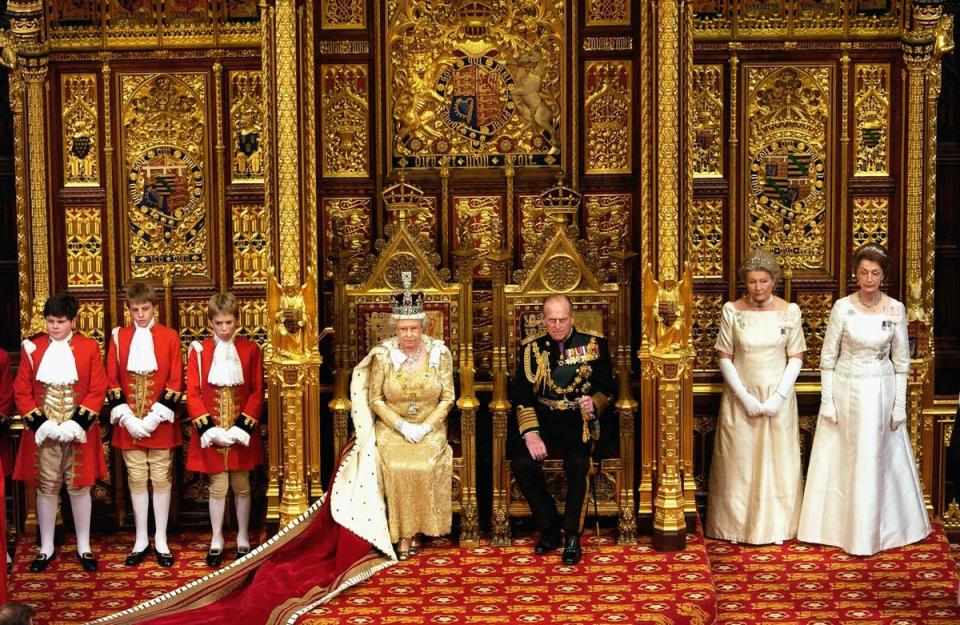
165,559
214,556
242,550
571,549
41,562
136,557
547,543
88,562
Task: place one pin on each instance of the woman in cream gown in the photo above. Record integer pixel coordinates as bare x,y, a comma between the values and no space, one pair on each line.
411,391
863,493
755,476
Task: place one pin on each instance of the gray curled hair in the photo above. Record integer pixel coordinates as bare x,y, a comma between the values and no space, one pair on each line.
760,259
424,323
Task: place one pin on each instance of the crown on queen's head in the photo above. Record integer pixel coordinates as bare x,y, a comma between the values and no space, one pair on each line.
408,304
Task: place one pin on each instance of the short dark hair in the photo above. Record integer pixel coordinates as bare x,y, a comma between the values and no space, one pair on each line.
61,305
16,614
873,252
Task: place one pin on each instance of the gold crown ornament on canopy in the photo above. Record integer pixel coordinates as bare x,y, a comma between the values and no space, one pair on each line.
408,304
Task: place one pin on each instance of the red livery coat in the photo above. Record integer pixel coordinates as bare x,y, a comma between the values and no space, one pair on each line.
7,410
167,386
204,412
90,390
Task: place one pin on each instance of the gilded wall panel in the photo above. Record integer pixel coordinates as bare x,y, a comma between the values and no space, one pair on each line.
608,12
788,157
532,222
706,327
483,331
817,17
81,122
705,241
239,22
188,22
252,321
712,18
353,219
344,95
476,83
816,312
762,17
608,224
73,24
164,151
479,217
133,23
608,118
193,322
90,322
251,243
342,14
871,133
874,17
423,221
708,119
870,220
84,247
246,126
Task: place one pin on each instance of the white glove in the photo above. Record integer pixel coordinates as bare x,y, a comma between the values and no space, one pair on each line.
150,422
48,429
827,408
117,413
899,416
162,412
239,436
134,426
730,375
408,430
70,430
419,431
215,436
772,405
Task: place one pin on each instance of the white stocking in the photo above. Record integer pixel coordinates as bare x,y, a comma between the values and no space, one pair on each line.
81,504
243,520
141,511
217,508
47,519
161,512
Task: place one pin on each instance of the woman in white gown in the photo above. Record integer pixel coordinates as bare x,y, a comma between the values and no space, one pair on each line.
863,493
755,476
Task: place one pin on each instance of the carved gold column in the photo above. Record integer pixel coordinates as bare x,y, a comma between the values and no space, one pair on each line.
292,357
929,37
28,94
665,354
626,405
500,265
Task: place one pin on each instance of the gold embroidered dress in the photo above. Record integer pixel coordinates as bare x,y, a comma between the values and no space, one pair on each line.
417,477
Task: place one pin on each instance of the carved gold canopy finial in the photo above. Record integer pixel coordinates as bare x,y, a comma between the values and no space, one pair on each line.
560,201
402,198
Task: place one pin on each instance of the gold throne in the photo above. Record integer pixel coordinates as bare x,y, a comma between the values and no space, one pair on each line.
367,305
561,263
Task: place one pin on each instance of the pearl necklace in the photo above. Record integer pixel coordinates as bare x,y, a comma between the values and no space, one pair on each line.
760,305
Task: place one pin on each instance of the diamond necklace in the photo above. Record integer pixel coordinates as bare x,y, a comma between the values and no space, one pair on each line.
865,304
413,359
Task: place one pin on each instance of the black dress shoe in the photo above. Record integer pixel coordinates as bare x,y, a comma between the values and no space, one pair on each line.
547,543
136,557
41,562
242,550
88,562
165,559
214,556
571,549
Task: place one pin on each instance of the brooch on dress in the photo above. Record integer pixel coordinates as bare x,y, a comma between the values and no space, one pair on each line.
739,319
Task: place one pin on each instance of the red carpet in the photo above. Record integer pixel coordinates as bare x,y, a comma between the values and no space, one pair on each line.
798,583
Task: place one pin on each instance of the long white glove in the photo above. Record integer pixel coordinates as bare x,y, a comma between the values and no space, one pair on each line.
157,415
48,429
409,431
899,416
239,436
215,436
750,403
419,431
118,412
827,408
772,404
134,425
70,430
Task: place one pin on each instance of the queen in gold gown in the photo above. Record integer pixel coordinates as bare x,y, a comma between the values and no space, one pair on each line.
410,392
